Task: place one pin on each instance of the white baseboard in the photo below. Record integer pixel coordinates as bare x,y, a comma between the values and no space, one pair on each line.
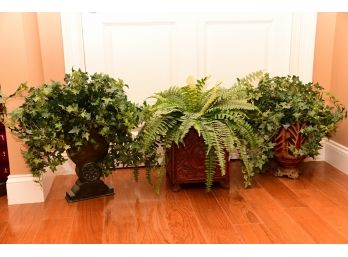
23,189
337,155
322,152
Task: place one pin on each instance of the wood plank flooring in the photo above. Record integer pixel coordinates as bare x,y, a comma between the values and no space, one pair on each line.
311,209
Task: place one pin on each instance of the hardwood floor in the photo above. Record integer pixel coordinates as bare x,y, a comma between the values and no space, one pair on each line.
311,209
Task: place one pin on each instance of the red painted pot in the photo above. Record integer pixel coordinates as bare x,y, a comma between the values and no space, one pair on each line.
287,162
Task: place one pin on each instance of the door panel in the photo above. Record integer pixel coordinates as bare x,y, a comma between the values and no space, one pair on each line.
148,66
151,52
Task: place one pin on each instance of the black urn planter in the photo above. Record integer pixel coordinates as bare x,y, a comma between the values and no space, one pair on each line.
87,159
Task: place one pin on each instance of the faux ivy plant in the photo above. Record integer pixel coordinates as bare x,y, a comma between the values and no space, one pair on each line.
217,114
262,123
284,100
58,116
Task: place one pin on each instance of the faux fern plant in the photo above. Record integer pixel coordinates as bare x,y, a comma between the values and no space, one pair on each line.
217,114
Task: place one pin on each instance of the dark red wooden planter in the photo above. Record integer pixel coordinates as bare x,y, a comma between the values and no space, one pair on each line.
185,164
4,162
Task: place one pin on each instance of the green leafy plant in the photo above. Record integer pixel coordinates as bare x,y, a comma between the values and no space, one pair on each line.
58,116
217,114
262,123
285,100
3,99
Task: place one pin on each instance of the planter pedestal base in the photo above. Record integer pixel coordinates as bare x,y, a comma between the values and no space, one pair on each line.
288,172
88,190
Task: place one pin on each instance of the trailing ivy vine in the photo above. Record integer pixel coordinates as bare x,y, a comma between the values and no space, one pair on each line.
284,100
55,117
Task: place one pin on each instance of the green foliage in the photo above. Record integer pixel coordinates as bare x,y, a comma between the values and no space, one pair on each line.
3,99
287,100
58,116
262,123
217,114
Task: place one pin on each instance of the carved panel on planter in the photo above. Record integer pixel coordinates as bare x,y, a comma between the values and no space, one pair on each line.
185,164
285,138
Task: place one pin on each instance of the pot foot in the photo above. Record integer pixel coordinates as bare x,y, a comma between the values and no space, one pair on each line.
288,172
88,190
224,184
176,187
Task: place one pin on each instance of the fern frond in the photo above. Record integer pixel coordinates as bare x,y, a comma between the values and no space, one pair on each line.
253,77
201,83
210,165
197,125
172,102
242,127
172,136
136,172
207,132
218,146
170,92
192,96
148,171
209,98
226,135
232,105
160,175
157,126
187,121
247,168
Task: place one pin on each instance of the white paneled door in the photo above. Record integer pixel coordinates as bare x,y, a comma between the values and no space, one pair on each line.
150,52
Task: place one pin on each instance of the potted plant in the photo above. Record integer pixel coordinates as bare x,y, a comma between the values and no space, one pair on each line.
89,117
295,117
209,123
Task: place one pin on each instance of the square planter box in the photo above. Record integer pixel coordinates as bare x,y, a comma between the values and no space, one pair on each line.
185,164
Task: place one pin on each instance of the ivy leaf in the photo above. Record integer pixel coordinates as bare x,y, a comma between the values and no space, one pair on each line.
85,135
104,131
72,108
47,148
36,98
78,143
45,114
58,125
37,160
75,91
74,130
86,115
46,91
107,100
